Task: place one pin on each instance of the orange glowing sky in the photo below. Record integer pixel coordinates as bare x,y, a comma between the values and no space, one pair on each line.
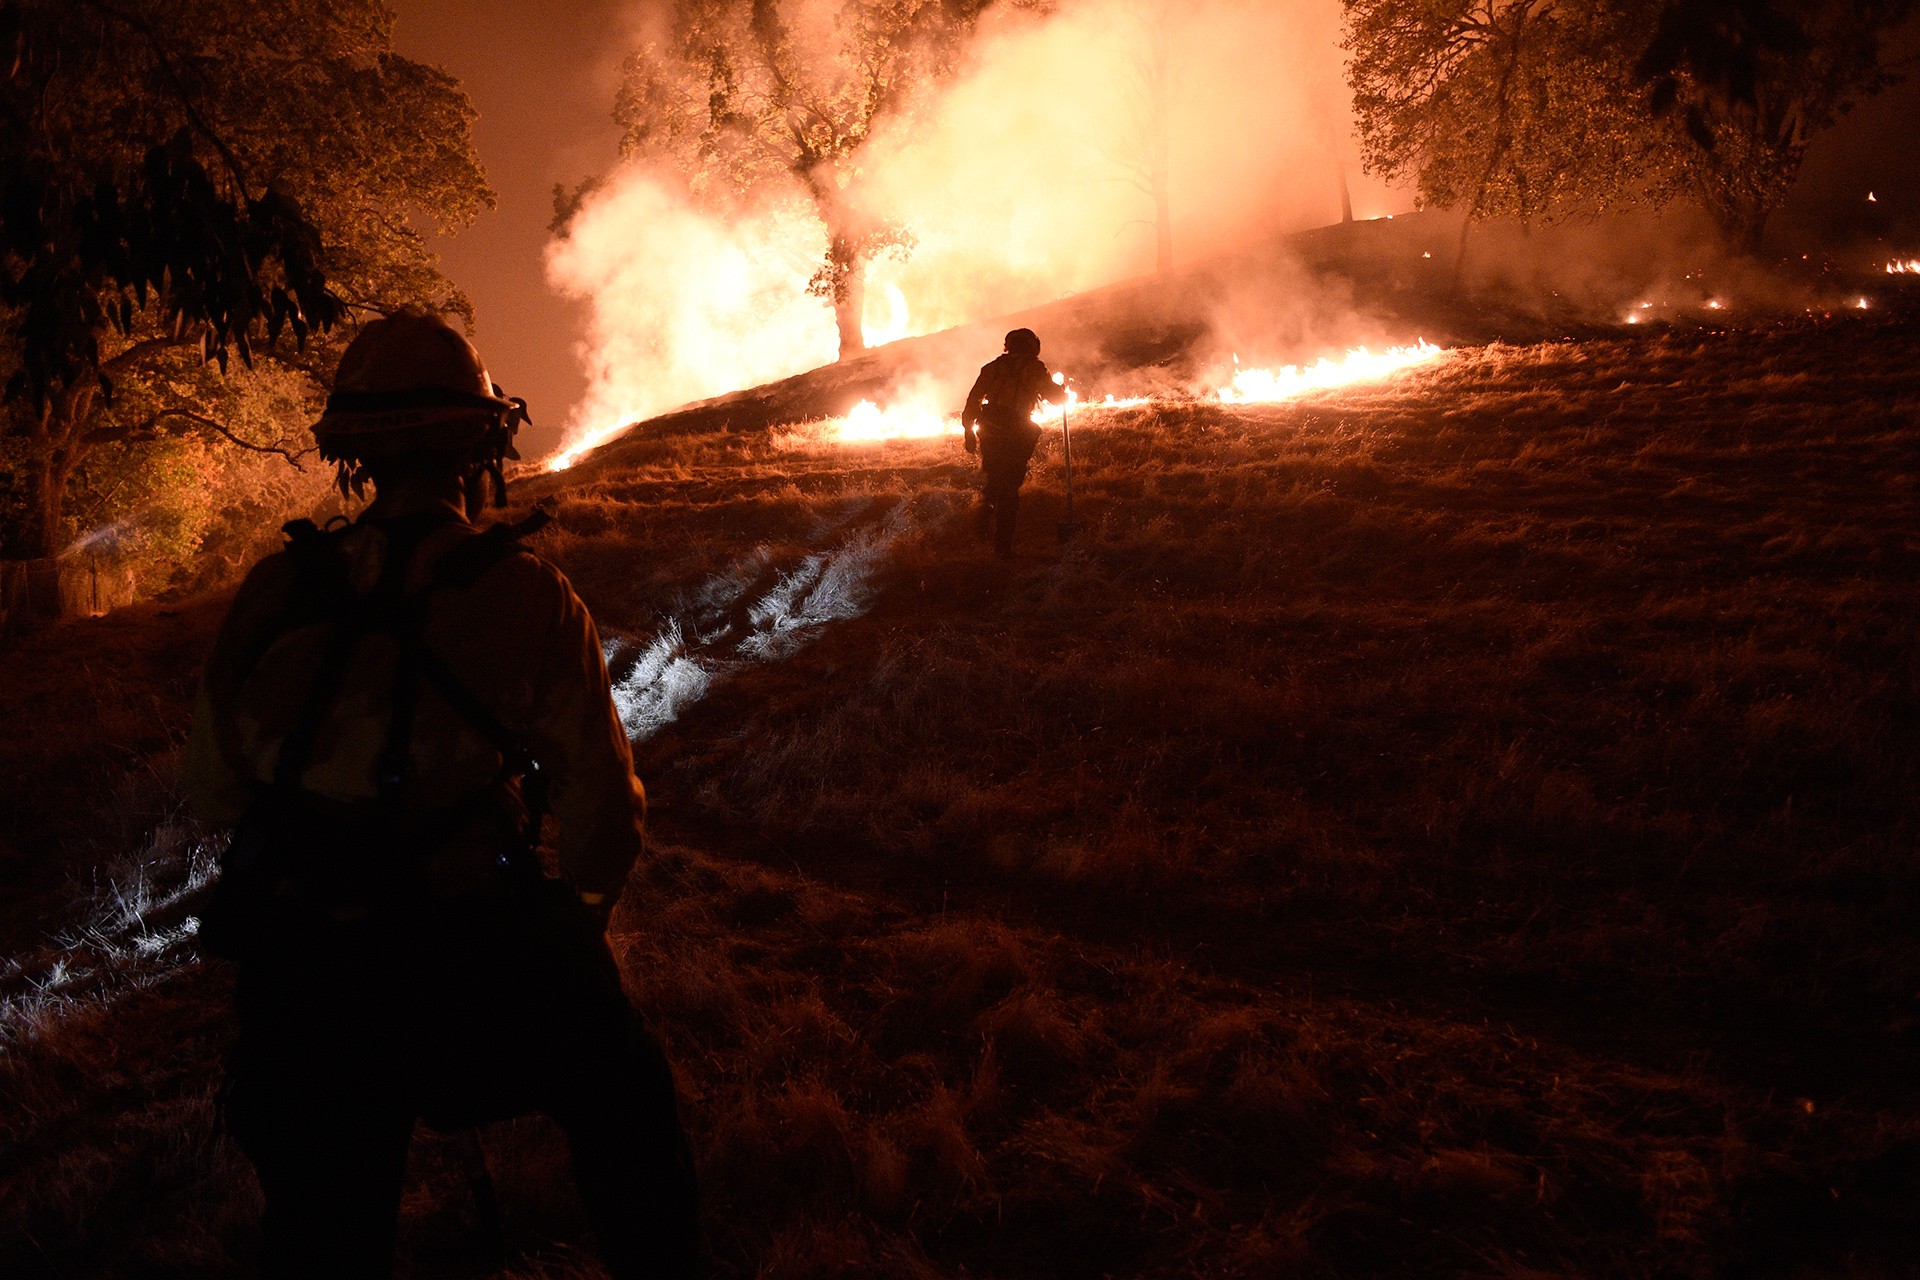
542,75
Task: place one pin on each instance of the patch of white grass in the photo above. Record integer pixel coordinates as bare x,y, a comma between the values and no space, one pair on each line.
136,931
727,625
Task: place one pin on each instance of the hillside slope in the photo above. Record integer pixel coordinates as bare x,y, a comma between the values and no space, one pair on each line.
1288,299
1461,825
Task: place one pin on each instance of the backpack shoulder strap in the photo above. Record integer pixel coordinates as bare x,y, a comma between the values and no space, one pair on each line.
465,564
462,566
319,587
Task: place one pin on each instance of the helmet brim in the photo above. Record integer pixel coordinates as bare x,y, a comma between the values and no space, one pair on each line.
382,433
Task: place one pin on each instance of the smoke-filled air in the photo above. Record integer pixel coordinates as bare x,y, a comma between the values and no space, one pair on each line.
1048,153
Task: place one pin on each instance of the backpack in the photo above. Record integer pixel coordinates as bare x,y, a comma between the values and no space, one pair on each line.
299,862
1007,391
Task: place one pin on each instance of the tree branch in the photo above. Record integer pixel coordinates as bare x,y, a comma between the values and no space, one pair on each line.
148,429
182,92
139,351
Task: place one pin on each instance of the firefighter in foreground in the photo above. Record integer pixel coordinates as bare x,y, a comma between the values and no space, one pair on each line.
1000,410
388,709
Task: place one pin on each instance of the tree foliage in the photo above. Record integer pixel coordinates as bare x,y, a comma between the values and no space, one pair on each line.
186,180
1545,108
1751,82
775,99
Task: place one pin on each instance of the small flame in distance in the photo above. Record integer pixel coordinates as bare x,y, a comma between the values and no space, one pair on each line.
867,423
1264,386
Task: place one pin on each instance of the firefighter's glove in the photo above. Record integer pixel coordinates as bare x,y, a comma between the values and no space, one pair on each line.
972,442
599,907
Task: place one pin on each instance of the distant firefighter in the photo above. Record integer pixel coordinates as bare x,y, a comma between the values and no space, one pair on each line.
1000,408
387,709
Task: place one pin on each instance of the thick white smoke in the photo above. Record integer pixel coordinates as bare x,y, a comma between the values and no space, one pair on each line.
683,304
1015,178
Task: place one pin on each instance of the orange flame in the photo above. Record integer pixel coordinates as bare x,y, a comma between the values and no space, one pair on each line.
916,417
1264,386
584,444
868,423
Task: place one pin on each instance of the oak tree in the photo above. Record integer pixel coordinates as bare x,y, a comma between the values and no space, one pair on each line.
1513,108
1546,108
189,182
1750,83
774,99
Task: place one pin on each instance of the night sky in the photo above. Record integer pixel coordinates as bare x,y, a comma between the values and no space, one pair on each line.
542,74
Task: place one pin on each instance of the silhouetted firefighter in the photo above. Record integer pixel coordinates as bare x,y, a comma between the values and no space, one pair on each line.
1001,406
386,711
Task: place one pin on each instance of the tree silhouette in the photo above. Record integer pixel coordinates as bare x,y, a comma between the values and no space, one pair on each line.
1752,82
775,98
1145,156
184,176
1546,108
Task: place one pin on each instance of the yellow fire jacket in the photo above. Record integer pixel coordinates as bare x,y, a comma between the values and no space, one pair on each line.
518,638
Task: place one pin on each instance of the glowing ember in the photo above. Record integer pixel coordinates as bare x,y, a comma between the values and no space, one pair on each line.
1261,386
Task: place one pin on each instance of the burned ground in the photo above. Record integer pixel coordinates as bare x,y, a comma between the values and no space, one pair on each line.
1458,826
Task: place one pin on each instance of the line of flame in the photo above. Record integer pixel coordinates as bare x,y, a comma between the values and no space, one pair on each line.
1264,386
584,445
867,422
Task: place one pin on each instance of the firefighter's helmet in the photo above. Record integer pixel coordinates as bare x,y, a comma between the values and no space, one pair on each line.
1023,342
409,383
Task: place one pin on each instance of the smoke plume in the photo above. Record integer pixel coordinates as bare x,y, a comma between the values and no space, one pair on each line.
1027,177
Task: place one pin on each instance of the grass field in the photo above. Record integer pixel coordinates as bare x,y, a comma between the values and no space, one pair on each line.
1460,826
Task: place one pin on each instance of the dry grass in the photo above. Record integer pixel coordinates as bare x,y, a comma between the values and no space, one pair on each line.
1459,827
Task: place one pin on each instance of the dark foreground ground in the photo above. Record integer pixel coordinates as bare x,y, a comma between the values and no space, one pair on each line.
1459,827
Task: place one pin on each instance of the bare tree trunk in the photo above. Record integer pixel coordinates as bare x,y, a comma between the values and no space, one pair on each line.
1161,159
1743,224
849,297
1460,249
1502,139
1163,229
54,449
40,532
35,590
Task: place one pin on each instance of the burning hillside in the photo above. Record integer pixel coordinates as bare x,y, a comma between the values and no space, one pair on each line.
1427,787
1454,817
1035,155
